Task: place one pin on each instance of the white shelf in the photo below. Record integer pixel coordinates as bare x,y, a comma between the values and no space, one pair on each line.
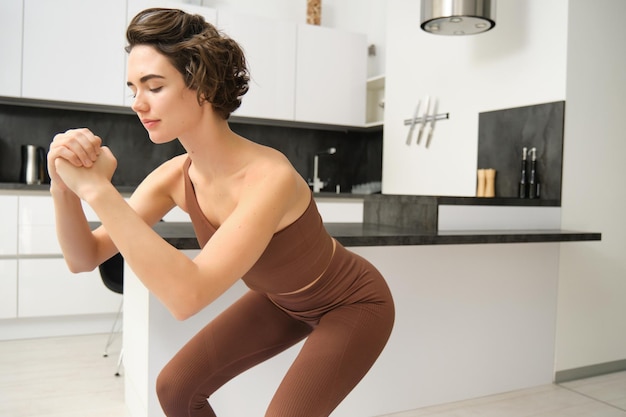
376,83
375,101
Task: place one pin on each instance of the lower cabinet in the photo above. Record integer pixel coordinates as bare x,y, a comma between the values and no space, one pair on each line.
39,296
8,225
47,288
8,288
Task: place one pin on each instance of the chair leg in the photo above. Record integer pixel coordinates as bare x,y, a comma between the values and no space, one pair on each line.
119,362
112,333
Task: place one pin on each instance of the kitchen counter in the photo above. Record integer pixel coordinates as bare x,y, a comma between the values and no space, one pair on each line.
474,300
388,220
181,235
483,302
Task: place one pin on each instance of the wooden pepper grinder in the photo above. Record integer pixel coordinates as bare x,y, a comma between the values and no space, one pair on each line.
490,182
480,186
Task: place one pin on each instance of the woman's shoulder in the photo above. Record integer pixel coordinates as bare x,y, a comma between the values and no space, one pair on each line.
166,178
273,175
272,158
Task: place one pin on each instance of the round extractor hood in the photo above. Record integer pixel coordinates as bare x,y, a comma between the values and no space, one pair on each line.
458,17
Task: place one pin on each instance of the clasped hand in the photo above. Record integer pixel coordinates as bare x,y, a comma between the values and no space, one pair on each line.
77,161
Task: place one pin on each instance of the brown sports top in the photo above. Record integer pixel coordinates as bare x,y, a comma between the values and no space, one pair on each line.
294,257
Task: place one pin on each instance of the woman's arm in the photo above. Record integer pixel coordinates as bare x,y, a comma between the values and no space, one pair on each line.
83,249
183,285
80,147
75,237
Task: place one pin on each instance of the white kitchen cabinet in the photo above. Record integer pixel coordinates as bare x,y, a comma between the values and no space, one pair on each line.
36,226
47,288
74,51
270,49
135,6
11,47
8,288
331,76
8,225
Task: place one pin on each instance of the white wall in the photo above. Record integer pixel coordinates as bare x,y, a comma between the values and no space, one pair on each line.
522,61
592,292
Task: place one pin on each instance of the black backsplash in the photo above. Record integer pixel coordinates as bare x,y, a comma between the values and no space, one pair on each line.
502,135
358,158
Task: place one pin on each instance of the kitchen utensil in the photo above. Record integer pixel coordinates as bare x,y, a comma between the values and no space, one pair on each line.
413,121
432,122
33,164
423,121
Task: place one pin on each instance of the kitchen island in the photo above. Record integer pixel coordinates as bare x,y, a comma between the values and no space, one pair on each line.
475,315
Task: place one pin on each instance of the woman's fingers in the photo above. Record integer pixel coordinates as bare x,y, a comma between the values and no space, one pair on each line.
80,147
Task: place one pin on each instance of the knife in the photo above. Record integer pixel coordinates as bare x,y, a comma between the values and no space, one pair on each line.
413,121
432,122
424,118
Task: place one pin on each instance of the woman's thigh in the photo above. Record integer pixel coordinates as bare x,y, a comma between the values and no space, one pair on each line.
250,331
335,357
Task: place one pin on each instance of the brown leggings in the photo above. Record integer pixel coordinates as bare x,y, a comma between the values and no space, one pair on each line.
347,315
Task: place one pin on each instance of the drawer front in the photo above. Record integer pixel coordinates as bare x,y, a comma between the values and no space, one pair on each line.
8,288
47,288
8,225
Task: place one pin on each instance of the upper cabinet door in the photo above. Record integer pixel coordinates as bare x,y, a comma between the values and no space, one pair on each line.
11,47
331,76
135,6
74,51
270,49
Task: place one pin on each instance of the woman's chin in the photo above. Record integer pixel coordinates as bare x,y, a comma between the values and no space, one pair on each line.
159,139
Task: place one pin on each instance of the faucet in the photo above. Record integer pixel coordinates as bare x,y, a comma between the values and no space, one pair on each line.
317,183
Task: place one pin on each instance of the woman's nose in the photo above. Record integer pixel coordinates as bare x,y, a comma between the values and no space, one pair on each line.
138,104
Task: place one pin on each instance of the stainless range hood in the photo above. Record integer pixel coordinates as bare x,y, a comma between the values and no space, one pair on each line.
458,17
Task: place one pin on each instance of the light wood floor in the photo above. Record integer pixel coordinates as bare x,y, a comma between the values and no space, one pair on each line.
68,377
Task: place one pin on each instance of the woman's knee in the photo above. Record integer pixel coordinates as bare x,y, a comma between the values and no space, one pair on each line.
168,392
182,394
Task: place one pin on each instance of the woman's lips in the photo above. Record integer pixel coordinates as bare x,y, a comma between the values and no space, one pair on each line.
149,123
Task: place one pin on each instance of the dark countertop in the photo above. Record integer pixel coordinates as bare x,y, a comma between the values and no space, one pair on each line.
181,235
128,189
414,219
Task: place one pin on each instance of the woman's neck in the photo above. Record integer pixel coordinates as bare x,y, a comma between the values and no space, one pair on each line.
215,150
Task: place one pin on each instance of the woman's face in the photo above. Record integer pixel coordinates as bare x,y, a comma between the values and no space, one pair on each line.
165,106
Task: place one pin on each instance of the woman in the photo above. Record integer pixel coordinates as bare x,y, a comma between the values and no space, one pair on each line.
255,220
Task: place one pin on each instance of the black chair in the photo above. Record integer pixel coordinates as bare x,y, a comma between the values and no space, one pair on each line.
112,274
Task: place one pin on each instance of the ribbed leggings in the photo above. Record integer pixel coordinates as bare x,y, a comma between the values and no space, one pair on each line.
347,317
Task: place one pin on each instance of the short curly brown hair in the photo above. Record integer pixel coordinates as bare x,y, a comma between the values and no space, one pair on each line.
210,62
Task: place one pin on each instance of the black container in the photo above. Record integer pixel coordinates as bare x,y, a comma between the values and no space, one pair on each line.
534,185
523,182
